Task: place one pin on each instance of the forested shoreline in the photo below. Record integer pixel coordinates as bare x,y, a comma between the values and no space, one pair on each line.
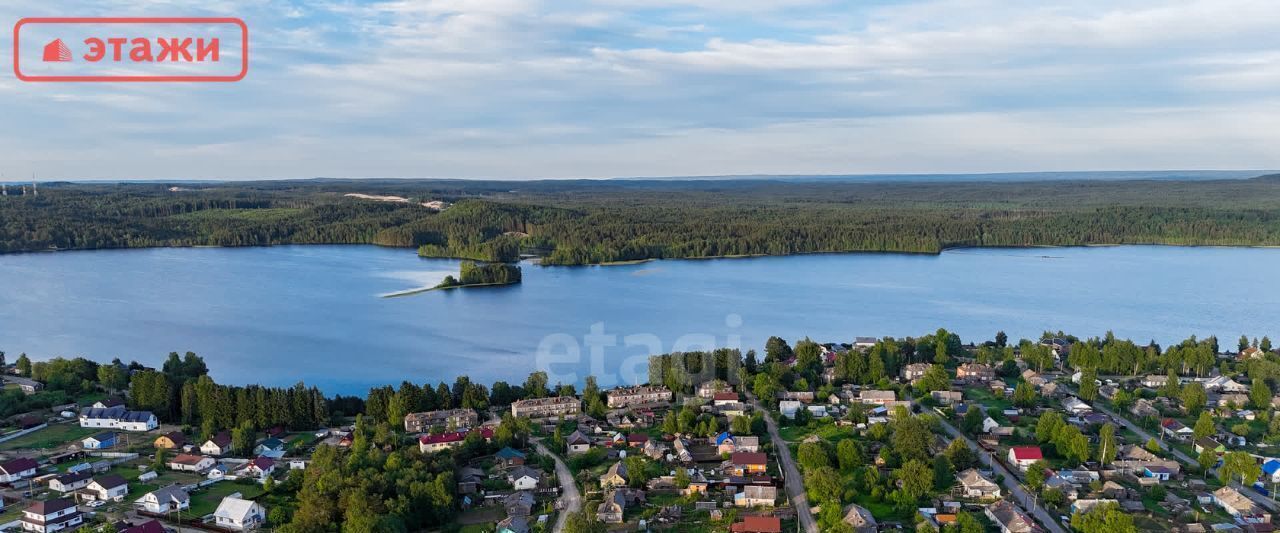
592,222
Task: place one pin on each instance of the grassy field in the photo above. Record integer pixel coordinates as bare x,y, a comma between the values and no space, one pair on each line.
54,436
207,499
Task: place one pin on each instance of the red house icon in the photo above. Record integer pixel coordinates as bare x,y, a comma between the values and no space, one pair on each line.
56,51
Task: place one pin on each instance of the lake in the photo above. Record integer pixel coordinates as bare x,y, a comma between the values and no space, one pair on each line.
317,313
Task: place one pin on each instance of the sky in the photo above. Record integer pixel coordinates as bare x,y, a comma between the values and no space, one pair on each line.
520,89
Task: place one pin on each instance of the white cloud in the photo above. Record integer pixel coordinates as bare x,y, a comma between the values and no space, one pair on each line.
594,88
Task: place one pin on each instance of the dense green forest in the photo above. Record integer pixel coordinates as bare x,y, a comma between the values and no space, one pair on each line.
584,222
471,273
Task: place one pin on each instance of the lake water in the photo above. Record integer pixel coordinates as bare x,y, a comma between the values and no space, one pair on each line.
316,313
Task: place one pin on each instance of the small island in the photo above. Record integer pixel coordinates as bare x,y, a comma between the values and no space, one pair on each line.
472,274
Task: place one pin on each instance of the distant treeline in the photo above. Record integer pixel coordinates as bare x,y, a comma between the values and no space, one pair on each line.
586,222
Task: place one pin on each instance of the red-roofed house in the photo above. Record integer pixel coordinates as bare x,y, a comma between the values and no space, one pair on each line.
722,398
637,440
17,469
758,524
1023,456
260,467
435,443
745,463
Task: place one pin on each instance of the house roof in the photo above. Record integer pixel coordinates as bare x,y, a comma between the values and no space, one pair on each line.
272,443
577,438
170,493
725,396
177,437
637,438
749,458
48,507
1027,453
221,440
510,453
758,524
110,481
1271,466
67,479
263,463
104,436
234,508
17,466
723,437
187,459
150,526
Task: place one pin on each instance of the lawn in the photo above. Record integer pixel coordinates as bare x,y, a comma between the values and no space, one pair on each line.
54,436
206,500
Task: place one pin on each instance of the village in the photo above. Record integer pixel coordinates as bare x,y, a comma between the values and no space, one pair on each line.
879,434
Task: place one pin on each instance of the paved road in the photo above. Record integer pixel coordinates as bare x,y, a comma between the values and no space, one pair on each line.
1146,436
1010,482
568,488
794,482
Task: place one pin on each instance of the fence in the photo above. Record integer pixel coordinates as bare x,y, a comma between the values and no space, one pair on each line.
19,433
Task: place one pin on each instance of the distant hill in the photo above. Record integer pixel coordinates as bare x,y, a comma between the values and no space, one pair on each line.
1104,175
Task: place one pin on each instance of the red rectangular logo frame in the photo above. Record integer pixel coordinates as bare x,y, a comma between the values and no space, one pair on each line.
244,45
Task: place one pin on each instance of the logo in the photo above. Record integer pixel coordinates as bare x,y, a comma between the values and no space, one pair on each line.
56,51
201,49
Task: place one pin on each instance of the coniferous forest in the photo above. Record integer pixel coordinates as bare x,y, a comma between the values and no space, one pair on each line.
584,222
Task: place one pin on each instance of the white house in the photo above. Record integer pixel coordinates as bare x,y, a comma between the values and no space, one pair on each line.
171,498
239,514
524,478
1073,405
71,482
185,462
218,445
260,467
48,516
1023,456
989,424
788,408
118,418
17,470
99,441
109,488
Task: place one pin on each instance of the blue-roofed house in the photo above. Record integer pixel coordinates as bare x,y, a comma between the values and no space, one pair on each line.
1271,469
725,443
510,456
100,441
270,445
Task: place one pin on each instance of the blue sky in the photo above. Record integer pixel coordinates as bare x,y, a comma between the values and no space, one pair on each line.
605,88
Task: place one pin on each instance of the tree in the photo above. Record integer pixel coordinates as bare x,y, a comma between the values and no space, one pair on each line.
961,455
535,386
823,485
1035,475
1260,394
1024,395
24,365
1239,464
1089,384
1204,426
1207,459
812,455
242,438
1107,444
1152,445
916,478
1243,344
935,378
1047,426
1103,518
1002,340
848,455
1194,397
944,474
776,349
911,437
1265,346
